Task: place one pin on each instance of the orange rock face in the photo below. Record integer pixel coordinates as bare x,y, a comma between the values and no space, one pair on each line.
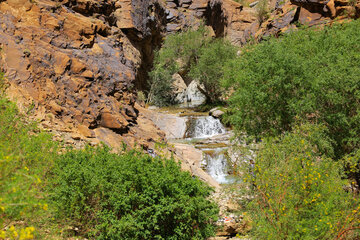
69,59
81,62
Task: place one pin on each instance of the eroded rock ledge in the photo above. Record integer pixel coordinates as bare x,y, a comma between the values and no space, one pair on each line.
80,63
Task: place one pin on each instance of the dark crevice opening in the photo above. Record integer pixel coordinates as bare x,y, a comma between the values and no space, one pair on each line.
148,44
214,17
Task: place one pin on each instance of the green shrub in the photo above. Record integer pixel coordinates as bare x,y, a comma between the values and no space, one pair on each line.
298,192
26,155
178,52
209,67
131,196
195,55
311,75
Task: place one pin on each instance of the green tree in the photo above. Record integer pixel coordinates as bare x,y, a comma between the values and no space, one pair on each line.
196,56
310,75
209,67
178,53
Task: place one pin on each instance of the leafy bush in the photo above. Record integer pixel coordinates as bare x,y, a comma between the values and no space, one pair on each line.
311,75
177,53
131,196
26,155
299,192
208,68
193,54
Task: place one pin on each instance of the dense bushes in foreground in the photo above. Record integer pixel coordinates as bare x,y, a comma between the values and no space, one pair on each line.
131,196
106,195
299,192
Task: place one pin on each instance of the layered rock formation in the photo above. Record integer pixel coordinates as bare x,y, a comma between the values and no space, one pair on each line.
80,63
288,15
75,62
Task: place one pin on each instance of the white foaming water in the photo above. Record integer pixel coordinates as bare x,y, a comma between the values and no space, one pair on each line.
204,127
216,165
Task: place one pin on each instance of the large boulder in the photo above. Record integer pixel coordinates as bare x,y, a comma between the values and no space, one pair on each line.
193,93
179,88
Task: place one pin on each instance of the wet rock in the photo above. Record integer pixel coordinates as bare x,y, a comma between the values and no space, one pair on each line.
204,127
216,113
190,161
172,125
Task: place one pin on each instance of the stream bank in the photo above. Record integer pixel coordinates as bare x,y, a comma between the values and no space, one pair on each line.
202,144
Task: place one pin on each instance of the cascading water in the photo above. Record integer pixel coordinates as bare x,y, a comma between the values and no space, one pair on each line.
204,127
215,160
216,164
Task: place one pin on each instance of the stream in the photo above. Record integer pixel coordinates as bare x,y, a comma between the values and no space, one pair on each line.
205,133
210,136
202,143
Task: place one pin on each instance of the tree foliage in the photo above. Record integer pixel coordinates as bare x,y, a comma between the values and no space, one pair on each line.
309,75
209,67
131,196
298,191
179,52
193,54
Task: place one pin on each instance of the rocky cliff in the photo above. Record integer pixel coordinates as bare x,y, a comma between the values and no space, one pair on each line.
78,64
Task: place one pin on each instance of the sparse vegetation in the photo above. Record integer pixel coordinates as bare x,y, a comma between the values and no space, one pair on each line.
299,191
262,11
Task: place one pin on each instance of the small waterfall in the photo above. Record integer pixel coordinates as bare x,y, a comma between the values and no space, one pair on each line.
204,127
216,164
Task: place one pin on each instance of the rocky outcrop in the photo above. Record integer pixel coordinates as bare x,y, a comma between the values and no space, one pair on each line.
80,63
72,61
241,24
232,20
288,15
